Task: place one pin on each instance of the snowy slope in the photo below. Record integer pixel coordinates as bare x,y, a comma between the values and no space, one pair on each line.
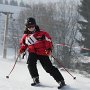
20,78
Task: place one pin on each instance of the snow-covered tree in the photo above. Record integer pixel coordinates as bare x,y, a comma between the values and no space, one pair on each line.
84,10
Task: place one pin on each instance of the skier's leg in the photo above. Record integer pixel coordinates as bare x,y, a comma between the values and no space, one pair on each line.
52,70
32,67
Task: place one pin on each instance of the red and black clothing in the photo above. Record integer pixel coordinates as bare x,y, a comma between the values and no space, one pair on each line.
39,46
39,43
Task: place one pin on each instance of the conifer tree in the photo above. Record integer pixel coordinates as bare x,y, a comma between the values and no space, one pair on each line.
1,1
84,10
6,2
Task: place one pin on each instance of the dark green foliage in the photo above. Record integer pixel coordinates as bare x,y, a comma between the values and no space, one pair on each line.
84,10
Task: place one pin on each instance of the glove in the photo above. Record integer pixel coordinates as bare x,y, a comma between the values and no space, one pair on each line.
21,51
48,51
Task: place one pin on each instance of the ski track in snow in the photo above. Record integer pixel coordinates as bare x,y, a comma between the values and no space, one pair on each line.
21,80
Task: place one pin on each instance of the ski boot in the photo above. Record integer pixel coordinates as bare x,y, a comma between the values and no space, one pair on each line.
61,84
35,81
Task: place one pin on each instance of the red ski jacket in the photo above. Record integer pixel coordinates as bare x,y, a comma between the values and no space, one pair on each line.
39,43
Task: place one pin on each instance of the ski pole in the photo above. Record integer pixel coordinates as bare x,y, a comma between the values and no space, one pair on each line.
13,66
63,66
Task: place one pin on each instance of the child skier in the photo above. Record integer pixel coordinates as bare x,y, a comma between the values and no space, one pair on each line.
39,46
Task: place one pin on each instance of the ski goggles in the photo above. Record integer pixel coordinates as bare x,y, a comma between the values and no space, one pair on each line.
30,26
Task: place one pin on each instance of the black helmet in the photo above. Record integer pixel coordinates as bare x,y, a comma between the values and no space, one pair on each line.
30,21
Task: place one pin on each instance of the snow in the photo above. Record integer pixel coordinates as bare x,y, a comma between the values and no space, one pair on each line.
15,10
20,78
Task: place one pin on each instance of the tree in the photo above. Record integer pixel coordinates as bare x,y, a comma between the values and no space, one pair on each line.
13,2
22,3
1,1
13,35
84,10
27,6
67,17
6,2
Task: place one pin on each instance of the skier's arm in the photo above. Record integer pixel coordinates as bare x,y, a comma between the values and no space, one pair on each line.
23,45
48,43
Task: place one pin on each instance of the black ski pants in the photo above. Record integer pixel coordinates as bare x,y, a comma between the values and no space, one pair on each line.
46,64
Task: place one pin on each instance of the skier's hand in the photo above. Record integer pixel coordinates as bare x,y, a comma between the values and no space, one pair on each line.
21,51
48,51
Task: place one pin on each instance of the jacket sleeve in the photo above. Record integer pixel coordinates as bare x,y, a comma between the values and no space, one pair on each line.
23,45
48,41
